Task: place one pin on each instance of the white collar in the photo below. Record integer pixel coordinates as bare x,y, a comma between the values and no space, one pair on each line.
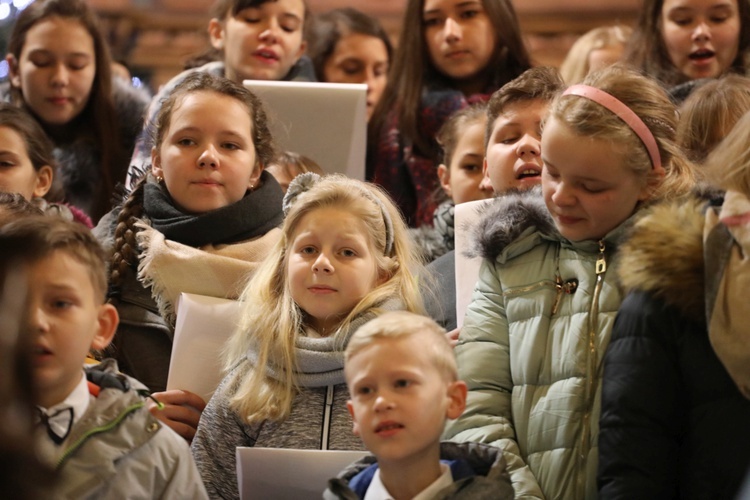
378,491
78,399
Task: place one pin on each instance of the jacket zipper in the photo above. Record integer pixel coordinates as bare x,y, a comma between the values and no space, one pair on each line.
327,417
97,430
510,292
591,368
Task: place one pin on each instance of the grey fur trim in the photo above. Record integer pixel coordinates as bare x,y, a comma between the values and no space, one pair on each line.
506,218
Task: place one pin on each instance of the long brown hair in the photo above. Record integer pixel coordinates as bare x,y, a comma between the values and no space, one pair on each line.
412,69
646,49
99,114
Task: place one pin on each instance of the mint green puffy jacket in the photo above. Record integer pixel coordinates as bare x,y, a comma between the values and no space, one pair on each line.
532,345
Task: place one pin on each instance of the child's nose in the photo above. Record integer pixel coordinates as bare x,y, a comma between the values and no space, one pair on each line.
208,158
38,320
60,75
383,403
528,145
701,31
452,29
271,31
322,264
562,196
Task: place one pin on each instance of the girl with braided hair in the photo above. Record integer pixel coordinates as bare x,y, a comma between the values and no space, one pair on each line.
199,222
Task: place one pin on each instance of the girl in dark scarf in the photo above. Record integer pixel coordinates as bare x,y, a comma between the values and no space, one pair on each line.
201,220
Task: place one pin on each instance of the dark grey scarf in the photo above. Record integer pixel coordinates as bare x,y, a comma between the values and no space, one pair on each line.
254,215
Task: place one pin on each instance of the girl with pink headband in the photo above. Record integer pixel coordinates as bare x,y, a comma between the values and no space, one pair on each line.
542,312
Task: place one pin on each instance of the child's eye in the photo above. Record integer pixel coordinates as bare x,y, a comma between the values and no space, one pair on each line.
352,68
289,27
509,140
472,168
402,383
348,252
469,14
6,163
230,145
431,22
186,142
308,250
364,391
41,62
682,21
719,19
593,188
61,304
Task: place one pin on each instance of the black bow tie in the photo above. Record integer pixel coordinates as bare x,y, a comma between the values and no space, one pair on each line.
58,424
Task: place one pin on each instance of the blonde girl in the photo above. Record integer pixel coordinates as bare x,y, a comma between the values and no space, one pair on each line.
594,50
199,223
344,256
542,312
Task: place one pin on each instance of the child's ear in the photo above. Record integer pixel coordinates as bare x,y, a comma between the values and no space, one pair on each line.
350,407
444,174
15,76
43,181
216,33
156,163
108,320
302,49
456,399
255,176
652,183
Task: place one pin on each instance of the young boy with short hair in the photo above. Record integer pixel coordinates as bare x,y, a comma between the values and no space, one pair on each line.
403,384
93,424
514,129
512,163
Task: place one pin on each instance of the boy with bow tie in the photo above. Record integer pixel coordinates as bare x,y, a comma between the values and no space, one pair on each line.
94,426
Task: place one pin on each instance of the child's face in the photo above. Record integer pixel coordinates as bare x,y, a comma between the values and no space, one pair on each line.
261,43
514,149
330,266
359,58
55,70
17,174
587,188
207,156
461,180
400,400
68,318
701,36
459,36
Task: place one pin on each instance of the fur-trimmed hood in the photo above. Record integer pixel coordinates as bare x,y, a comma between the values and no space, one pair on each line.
664,255
508,217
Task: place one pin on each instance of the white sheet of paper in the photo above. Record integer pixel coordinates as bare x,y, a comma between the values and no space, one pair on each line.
287,473
467,270
202,328
326,122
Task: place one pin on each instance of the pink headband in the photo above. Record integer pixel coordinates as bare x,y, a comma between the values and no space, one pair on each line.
625,114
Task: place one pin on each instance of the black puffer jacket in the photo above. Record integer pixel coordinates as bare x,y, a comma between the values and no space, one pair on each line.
673,423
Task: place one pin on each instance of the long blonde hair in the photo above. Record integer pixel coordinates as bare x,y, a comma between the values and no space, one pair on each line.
271,321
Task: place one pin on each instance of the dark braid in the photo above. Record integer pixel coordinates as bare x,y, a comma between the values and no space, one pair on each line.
125,249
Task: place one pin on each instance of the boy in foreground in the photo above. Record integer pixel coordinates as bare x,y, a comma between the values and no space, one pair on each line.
403,382
93,427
